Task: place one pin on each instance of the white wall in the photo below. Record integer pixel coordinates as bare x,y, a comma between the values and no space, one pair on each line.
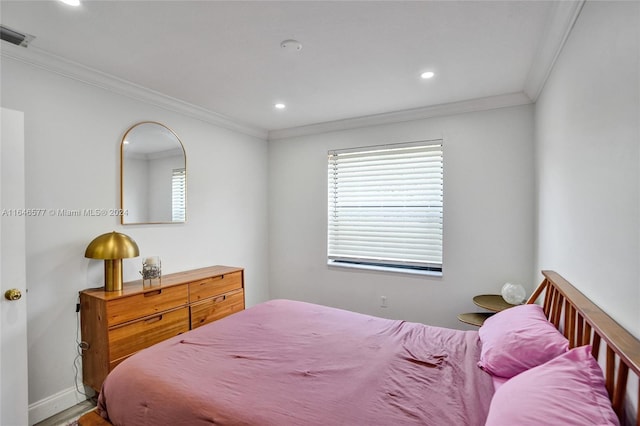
588,161
72,141
488,217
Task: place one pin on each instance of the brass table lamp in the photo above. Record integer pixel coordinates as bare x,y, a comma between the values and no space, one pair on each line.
112,247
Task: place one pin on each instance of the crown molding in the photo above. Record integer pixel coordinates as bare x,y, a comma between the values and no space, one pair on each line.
561,20
472,105
76,71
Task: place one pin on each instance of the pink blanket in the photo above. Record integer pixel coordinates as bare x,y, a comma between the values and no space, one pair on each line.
293,363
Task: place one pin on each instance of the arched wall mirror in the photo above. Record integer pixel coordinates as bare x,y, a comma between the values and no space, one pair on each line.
153,173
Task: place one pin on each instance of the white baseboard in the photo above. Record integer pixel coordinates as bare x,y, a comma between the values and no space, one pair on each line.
45,408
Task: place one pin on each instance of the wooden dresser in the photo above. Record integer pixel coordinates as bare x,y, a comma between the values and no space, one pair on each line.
117,324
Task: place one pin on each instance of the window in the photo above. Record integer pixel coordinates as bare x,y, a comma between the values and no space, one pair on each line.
385,206
178,194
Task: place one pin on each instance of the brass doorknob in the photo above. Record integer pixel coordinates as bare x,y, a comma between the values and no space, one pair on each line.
12,294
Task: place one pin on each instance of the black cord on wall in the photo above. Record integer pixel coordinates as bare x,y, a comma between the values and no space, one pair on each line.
80,346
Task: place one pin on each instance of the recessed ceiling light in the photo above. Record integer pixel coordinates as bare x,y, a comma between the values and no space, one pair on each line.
427,75
71,2
279,106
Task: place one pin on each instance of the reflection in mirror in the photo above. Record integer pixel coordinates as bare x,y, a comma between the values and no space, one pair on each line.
153,175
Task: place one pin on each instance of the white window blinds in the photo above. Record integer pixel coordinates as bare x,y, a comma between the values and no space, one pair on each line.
385,206
178,195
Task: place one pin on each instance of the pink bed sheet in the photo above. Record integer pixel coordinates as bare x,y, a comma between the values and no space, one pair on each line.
294,363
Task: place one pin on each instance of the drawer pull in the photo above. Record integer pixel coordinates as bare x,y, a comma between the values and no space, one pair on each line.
154,319
153,293
220,298
208,281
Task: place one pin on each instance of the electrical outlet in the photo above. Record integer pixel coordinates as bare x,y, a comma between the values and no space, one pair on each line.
383,301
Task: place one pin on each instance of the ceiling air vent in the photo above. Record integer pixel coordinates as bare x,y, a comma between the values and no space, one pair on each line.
15,37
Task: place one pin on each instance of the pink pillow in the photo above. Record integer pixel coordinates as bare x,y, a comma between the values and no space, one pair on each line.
568,390
518,339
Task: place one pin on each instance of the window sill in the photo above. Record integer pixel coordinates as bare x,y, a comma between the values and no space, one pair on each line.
391,269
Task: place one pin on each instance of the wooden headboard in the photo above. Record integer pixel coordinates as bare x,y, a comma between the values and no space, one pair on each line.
584,323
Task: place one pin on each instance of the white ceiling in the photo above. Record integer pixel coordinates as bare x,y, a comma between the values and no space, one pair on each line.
359,58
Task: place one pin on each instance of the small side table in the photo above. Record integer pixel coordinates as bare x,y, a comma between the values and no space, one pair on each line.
491,302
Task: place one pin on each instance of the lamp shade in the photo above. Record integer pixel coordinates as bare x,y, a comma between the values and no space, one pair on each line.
514,294
112,245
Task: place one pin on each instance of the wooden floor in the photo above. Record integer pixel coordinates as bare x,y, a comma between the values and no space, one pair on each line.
67,416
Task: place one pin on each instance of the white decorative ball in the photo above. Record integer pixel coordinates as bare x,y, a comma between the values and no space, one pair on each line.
513,293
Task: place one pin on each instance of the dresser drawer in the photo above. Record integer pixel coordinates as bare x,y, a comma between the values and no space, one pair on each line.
214,286
129,338
147,303
216,308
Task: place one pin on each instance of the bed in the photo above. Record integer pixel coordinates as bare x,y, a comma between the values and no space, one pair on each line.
294,363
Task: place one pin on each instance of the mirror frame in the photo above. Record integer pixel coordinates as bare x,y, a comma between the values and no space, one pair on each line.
122,206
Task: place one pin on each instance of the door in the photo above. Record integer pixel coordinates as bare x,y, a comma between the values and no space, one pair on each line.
13,313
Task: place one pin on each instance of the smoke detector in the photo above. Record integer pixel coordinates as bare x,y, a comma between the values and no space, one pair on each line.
291,45
15,37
